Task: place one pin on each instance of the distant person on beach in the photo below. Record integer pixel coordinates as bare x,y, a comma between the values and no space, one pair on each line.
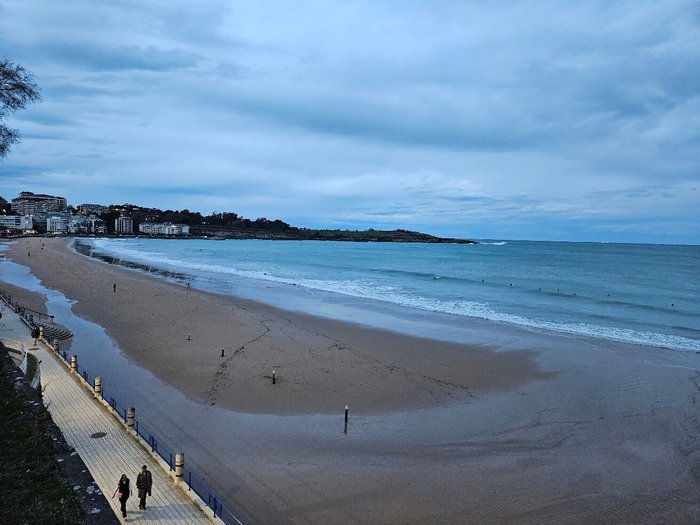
123,492
144,482
114,287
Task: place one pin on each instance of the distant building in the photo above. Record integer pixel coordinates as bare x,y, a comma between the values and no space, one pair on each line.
65,223
86,224
57,223
97,209
164,228
123,225
17,222
28,203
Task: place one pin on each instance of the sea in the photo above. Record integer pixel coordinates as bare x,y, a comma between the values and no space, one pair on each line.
633,293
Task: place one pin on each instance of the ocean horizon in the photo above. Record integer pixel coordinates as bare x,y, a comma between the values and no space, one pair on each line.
633,293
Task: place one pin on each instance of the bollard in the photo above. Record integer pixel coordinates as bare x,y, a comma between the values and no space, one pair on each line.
41,332
73,364
130,415
55,344
273,378
98,387
179,466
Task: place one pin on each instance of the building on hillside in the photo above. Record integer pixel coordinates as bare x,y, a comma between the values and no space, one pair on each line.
24,223
28,203
86,224
123,225
88,209
164,228
57,223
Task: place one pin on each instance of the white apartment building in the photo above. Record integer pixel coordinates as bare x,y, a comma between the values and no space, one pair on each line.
123,225
164,228
17,222
57,223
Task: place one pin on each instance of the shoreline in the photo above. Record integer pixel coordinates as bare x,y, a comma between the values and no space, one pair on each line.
433,312
320,364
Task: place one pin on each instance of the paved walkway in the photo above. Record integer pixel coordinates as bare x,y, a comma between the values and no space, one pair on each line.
80,416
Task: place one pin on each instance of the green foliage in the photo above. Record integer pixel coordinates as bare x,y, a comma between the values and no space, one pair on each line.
17,89
5,207
232,226
31,491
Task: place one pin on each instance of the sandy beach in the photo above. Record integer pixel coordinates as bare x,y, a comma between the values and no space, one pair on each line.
546,429
320,365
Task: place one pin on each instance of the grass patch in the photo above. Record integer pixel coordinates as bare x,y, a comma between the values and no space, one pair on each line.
31,489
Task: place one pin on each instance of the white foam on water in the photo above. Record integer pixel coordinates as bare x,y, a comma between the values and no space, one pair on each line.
374,290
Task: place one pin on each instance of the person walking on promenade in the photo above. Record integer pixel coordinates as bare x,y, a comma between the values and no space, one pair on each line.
123,492
144,482
35,333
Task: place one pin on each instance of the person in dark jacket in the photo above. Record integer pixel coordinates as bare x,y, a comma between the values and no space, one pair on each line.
35,333
144,482
124,491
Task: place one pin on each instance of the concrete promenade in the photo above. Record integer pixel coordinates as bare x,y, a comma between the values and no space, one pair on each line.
81,417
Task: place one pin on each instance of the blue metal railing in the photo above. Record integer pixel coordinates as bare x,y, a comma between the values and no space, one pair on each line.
158,446
199,488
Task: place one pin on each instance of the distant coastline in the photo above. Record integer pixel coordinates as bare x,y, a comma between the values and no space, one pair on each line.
29,214
299,235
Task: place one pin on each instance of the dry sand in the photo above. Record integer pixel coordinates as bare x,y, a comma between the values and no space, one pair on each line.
580,431
319,364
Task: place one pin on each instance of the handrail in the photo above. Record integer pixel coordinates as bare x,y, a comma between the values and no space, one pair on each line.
22,310
165,451
40,314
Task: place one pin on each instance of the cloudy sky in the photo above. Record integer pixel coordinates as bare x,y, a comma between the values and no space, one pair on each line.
507,120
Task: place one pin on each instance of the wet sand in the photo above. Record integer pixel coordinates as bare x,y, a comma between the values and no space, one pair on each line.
562,430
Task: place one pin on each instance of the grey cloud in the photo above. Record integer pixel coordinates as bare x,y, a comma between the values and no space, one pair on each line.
664,191
521,118
376,117
96,57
